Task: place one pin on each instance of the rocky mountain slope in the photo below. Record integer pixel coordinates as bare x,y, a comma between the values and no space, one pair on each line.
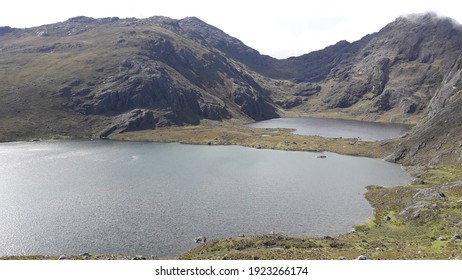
399,68
112,75
100,77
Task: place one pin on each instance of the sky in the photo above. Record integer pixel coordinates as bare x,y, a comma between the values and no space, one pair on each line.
277,28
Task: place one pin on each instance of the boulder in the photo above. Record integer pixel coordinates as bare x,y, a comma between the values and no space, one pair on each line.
429,195
418,181
424,199
200,239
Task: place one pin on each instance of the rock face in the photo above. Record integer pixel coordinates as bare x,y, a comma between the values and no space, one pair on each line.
137,119
437,136
5,30
411,69
119,75
400,67
426,202
90,76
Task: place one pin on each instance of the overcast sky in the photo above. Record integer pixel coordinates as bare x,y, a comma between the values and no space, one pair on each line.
277,28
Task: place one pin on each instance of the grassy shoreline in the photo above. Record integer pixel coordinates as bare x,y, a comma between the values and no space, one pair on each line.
391,233
259,138
418,221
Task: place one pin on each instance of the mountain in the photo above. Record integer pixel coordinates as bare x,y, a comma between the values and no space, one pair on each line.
399,68
100,77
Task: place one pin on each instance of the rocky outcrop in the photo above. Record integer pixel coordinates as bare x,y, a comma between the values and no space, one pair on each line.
401,66
316,66
307,89
206,34
424,203
134,120
146,73
253,104
5,30
158,66
149,89
436,137
289,103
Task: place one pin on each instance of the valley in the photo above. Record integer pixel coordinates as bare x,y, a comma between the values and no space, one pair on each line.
165,80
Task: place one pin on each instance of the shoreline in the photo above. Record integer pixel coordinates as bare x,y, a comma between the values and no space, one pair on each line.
384,222
258,138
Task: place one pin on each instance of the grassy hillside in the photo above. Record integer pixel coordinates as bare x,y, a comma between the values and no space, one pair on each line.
160,79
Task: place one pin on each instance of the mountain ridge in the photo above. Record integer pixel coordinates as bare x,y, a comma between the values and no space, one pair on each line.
133,74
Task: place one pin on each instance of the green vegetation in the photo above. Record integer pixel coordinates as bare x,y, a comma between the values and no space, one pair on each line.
390,234
83,77
260,138
419,221
404,225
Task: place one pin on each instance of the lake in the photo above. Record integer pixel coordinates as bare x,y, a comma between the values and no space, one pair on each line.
155,198
335,128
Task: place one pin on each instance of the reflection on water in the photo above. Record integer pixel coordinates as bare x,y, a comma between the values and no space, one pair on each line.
334,128
154,199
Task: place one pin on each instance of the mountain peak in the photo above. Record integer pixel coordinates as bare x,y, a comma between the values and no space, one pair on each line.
192,20
428,18
90,20
81,19
126,74
5,29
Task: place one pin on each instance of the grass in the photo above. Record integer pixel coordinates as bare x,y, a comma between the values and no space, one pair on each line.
33,109
390,234
443,174
34,69
259,138
396,237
